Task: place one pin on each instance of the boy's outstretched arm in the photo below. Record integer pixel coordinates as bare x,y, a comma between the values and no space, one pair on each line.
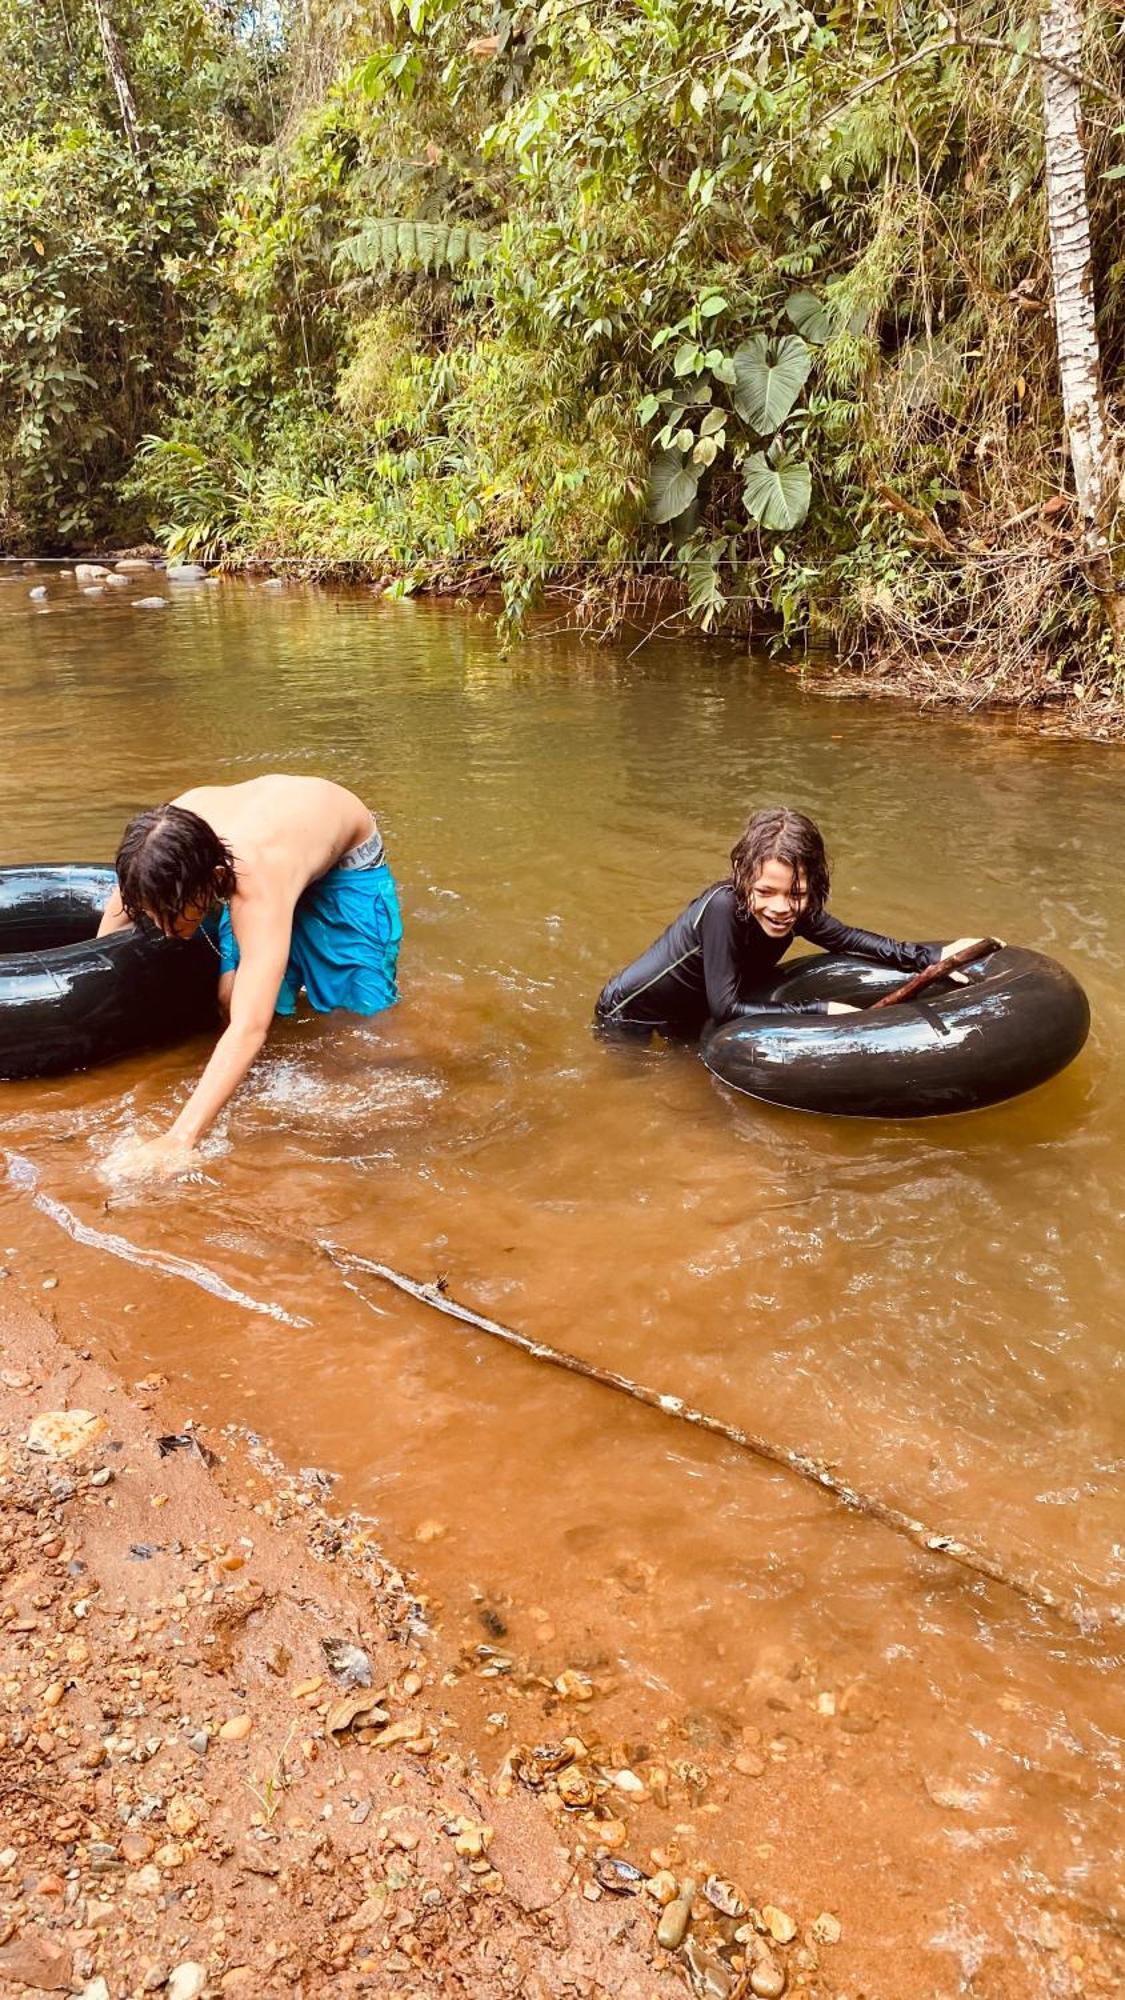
263,932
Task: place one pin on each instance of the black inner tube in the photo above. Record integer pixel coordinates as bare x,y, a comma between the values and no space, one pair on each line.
1020,1019
69,999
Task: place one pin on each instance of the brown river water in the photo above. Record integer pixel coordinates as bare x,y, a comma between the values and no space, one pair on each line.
933,1308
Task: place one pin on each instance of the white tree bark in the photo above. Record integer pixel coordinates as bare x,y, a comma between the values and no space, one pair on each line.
1087,431
115,64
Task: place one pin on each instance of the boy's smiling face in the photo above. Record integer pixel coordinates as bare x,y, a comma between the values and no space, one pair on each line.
777,897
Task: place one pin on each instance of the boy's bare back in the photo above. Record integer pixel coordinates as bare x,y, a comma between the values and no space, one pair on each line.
284,832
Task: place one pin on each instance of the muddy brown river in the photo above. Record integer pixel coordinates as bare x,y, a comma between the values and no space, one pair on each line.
933,1308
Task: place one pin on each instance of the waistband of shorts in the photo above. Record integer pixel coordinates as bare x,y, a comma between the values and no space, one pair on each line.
369,853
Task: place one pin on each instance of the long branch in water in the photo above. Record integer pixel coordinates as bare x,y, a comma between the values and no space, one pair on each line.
980,1561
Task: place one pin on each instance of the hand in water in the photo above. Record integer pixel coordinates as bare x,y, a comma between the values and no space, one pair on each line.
154,1159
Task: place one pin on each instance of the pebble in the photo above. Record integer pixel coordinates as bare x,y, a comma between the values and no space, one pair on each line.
235,1729
662,1886
182,1817
93,590
621,1878
724,1897
574,1787
779,1925
767,1979
95,1989
185,572
574,1686
150,603
827,1929
132,566
64,1433
710,1977
39,592
673,1926
628,1782
186,1981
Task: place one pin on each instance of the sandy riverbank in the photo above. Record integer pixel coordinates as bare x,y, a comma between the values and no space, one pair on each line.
194,1800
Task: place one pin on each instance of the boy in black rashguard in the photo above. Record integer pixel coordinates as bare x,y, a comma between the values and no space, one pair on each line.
722,948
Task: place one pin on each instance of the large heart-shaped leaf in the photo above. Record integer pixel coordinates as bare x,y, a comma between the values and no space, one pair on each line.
809,317
671,487
769,377
776,496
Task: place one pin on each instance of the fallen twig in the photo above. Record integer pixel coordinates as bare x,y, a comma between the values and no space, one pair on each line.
801,1463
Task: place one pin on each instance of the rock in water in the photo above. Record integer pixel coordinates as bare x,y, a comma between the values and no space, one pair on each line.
89,572
150,603
40,591
185,572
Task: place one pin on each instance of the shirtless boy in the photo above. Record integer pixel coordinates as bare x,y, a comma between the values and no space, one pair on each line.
306,900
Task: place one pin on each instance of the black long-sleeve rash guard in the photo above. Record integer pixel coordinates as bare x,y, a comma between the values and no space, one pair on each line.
712,958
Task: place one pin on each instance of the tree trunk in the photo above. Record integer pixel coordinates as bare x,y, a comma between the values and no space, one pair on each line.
1092,456
115,64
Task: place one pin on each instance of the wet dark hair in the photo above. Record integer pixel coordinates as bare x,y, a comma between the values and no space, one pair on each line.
169,859
776,834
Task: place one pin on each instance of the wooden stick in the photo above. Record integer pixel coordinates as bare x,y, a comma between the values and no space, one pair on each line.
935,972
805,1467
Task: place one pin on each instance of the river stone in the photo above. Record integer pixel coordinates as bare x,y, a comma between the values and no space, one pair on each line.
39,591
673,1926
150,603
132,566
93,590
187,1981
64,1433
90,572
185,572
767,1979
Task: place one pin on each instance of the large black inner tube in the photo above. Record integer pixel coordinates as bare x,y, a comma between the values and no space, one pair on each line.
70,1000
1019,1021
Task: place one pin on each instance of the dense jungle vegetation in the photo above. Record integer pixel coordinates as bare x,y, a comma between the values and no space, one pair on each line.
743,297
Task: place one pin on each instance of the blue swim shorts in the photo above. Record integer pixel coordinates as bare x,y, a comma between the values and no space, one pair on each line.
346,933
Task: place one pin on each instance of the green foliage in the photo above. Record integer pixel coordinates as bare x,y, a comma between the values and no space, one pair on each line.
542,292
768,378
99,254
394,245
777,494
